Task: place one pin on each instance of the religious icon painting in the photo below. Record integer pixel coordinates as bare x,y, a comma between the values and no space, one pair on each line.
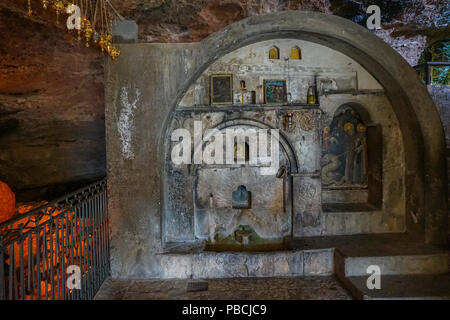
221,89
275,91
344,150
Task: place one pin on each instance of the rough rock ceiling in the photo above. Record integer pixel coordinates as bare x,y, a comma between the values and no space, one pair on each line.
192,20
51,90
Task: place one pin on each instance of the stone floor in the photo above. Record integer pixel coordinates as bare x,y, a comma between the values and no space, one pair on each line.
305,288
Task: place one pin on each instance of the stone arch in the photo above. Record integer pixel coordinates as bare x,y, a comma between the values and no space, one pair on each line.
274,53
422,131
285,144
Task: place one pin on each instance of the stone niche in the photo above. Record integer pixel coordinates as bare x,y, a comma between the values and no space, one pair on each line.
340,168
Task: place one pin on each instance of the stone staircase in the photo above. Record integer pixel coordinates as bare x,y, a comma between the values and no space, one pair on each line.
403,287
409,271
410,268
423,274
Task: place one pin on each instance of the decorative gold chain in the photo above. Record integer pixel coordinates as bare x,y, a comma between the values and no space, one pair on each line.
97,19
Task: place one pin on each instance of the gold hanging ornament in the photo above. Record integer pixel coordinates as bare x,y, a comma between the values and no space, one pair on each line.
88,31
97,18
59,8
29,8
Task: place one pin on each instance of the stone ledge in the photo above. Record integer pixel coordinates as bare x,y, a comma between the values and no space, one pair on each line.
210,265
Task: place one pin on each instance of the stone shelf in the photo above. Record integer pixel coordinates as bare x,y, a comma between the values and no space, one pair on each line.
354,92
249,107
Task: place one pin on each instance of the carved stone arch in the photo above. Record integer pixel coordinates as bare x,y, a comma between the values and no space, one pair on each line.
284,142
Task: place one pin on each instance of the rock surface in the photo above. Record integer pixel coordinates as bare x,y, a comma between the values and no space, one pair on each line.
51,89
51,110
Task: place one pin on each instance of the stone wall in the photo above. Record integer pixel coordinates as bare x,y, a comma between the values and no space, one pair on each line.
441,97
52,132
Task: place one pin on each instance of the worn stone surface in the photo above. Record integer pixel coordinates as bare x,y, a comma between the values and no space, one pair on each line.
414,264
441,97
405,287
310,288
210,265
125,31
410,269
134,169
52,134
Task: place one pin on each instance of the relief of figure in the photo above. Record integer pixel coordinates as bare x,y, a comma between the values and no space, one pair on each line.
326,138
330,163
350,147
360,160
344,150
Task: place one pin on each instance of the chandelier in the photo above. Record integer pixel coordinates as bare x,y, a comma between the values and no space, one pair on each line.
91,21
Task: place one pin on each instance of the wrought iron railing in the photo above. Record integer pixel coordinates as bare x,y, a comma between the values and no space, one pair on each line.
425,71
59,251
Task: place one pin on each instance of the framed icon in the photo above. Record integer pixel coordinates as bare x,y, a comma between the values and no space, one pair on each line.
275,91
221,89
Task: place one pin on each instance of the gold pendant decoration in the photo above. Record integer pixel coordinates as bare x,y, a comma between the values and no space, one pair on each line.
59,8
88,31
29,8
94,25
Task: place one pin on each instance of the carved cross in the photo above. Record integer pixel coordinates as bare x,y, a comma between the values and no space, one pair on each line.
243,90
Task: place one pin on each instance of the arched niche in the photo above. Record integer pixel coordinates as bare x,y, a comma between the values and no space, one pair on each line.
351,161
268,216
421,129
274,53
296,53
286,149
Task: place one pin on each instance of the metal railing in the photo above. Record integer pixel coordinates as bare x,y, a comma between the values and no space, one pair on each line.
59,251
425,70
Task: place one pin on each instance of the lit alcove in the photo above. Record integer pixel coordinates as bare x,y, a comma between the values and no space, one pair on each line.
296,53
274,53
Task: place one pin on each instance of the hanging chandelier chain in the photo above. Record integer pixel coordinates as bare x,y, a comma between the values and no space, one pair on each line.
95,23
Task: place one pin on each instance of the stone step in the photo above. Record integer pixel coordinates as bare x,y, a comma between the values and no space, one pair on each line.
402,287
219,265
426,263
419,274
